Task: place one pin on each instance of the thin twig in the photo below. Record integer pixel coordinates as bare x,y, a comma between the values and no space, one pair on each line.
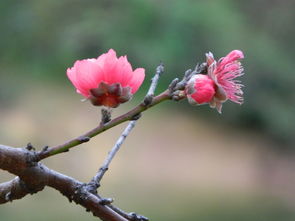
155,79
151,92
95,182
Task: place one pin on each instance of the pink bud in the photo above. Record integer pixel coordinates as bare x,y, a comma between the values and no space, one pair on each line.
106,80
200,89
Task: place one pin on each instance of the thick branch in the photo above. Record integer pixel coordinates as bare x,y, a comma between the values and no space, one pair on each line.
12,190
34,177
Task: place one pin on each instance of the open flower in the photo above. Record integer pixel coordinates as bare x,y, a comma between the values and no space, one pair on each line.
222,74
106,80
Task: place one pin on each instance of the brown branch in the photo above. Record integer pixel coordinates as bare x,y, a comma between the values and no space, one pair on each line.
33,177
106,122
12,190
101,128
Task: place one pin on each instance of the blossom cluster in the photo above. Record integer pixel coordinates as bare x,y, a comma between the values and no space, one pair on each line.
110,81
219,84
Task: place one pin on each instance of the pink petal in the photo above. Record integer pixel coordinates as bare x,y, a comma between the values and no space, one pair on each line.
110,61
227,69
137,79
127,72
88,75
71,73
232,56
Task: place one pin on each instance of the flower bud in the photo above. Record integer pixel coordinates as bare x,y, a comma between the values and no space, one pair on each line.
200,89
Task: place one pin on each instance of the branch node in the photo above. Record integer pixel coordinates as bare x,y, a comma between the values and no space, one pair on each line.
181,84
70,198
80,193
106,115
31,158
106,201
8,196
30,147
172,85
103,169
83,139
187,74
136,116
148,99
178,95
93,185
45,148
135,217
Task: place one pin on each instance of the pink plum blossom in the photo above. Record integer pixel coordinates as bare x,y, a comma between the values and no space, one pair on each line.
106,80
223,73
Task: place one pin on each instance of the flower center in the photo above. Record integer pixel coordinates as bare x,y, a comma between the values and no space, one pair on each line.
110,95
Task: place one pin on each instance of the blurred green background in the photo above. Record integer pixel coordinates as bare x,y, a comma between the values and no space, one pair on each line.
181,162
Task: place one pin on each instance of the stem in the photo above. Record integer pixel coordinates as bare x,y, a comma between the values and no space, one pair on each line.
101,128
95,182
155,79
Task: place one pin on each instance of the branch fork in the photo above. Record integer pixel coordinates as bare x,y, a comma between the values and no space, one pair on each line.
32,176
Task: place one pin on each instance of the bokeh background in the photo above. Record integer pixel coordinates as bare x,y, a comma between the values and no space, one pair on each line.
181,162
